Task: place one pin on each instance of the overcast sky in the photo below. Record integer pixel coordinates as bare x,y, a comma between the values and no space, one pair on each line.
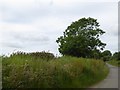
34,25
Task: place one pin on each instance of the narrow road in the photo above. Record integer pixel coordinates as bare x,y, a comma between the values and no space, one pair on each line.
112,79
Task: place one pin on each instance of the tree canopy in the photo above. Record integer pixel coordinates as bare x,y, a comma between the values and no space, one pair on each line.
106,55
81,39
116,56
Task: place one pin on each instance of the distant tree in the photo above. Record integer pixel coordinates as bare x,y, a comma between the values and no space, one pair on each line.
116,56
106,55
81,39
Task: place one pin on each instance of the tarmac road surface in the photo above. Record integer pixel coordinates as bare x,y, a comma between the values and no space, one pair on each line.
111,81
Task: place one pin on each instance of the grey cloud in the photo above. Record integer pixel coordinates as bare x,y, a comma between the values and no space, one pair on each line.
30,37
24,40
11,45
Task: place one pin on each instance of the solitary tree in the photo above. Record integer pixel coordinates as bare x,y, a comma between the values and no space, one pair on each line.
81,39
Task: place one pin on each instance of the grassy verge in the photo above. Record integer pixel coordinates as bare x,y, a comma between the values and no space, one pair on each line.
114,62
65,72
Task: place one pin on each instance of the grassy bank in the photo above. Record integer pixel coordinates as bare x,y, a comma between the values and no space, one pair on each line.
114,62
26,71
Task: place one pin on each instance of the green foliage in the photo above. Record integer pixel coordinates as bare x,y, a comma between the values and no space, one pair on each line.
81,39
106,55
116,56
26,71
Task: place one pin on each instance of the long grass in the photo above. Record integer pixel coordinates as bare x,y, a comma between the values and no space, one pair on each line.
65,72
114,62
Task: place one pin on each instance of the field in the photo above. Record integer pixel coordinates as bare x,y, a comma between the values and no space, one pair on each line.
114,62
42,70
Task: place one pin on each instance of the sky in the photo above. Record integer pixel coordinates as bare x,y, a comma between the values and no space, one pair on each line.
35,25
